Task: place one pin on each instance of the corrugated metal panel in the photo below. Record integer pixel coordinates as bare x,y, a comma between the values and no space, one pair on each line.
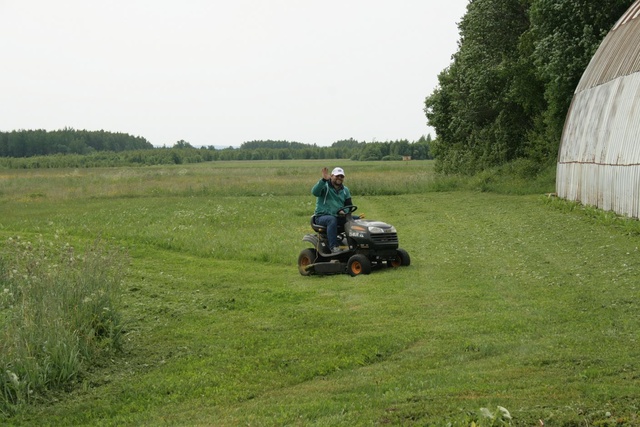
603,124
599,156
619,53
609,188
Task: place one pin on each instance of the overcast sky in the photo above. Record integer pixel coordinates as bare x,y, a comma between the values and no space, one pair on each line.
220,73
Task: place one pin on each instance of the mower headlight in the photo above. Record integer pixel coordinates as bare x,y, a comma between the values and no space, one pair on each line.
380,230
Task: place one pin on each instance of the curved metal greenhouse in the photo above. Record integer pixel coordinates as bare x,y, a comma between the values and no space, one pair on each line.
599,156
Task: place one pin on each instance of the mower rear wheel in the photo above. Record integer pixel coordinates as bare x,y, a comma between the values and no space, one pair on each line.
402,259
358,264
306,258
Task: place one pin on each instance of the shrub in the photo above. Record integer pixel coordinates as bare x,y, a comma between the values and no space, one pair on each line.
58,314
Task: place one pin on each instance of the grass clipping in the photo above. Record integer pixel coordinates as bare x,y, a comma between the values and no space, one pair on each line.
58,315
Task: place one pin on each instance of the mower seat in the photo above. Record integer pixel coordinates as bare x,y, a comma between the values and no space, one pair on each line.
321,228
317,228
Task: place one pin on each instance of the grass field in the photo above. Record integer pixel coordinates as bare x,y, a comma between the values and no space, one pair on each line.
520,302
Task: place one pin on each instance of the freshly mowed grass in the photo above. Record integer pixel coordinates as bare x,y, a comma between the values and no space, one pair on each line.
523,302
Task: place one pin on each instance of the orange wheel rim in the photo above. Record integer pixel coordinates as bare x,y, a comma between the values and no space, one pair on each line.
356,267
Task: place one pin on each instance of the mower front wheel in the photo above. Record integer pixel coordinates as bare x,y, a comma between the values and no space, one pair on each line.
402,259
306,258
358,264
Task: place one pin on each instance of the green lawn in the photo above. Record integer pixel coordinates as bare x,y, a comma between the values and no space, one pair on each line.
511,301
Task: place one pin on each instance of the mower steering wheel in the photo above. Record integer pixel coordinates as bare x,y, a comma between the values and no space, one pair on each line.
349,209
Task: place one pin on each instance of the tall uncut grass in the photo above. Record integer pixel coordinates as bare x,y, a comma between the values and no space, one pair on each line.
58,313
262,178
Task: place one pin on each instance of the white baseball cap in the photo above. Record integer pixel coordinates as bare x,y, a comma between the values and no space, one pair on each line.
337,171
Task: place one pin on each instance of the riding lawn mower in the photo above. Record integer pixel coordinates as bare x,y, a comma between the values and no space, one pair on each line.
365,244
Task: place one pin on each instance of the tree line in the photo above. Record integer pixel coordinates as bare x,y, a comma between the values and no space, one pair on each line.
29,143
343,149
509,86
183,152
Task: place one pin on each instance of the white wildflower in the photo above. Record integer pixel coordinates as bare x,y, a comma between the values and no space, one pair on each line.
13,378
505,412
486,413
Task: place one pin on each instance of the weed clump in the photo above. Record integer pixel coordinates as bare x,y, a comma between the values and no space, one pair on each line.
58,315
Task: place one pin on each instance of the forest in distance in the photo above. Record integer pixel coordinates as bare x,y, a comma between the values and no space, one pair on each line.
81,148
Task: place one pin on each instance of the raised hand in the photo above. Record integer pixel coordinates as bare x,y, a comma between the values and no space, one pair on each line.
325,174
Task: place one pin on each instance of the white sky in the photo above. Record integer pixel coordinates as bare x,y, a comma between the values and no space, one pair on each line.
216,72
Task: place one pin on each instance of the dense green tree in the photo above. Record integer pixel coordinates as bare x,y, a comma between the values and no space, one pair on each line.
270,144
347,144
479,121
421,149
508,89
182,144
374,151
401,148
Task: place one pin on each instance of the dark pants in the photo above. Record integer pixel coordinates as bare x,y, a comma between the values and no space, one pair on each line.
331,223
